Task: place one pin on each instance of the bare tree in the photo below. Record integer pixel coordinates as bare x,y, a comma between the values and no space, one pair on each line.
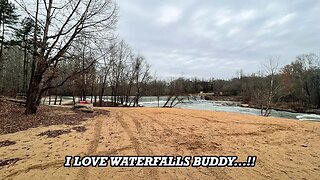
266,93
177,92
118,70
141,77
105,66
61,23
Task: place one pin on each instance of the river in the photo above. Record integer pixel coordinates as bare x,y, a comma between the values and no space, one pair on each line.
198,104
221,106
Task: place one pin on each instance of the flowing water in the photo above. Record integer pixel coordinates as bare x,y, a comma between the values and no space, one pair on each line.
222,106
225,106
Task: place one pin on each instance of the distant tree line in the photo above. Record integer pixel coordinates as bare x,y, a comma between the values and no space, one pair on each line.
295,86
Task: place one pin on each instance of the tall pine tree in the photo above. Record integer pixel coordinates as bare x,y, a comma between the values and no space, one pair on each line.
8,17
24,37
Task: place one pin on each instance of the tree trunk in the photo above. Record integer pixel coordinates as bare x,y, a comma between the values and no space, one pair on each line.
1,58
173,101
1,48
102,91
25,67
34,94
44,101
168,99
318,99
158,98
179,101
36,76
31,105
55,100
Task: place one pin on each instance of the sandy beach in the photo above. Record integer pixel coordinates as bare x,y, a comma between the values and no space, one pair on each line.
285,149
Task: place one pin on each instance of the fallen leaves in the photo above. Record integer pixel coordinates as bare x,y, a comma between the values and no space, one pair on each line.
6,162
7,143
54,133
13,119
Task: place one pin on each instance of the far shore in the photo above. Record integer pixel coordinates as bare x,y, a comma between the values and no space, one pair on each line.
278,107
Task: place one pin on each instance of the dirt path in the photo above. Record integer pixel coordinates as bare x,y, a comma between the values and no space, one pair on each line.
285,149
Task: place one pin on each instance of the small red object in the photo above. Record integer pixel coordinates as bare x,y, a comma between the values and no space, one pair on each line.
83,102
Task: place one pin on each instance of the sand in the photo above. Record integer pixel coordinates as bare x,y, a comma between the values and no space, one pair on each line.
285,149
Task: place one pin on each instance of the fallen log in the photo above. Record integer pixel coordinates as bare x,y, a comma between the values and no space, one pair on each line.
20,101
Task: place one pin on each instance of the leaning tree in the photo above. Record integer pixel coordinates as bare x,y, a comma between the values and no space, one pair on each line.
61,23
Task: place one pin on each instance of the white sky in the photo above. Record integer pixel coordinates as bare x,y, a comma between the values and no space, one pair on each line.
218,38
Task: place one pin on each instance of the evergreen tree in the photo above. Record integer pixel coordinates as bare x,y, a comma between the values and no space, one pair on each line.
24,39
8,17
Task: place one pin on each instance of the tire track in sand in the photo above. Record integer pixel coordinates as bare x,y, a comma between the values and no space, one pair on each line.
216,173
83,172
133,139
34,167
265,131
163,126
137,145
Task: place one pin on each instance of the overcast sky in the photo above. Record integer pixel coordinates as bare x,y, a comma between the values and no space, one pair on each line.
207,38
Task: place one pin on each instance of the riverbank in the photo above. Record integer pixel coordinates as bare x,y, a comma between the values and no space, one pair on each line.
288,107
284,148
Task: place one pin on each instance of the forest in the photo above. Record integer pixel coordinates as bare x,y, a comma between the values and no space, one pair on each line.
70,48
